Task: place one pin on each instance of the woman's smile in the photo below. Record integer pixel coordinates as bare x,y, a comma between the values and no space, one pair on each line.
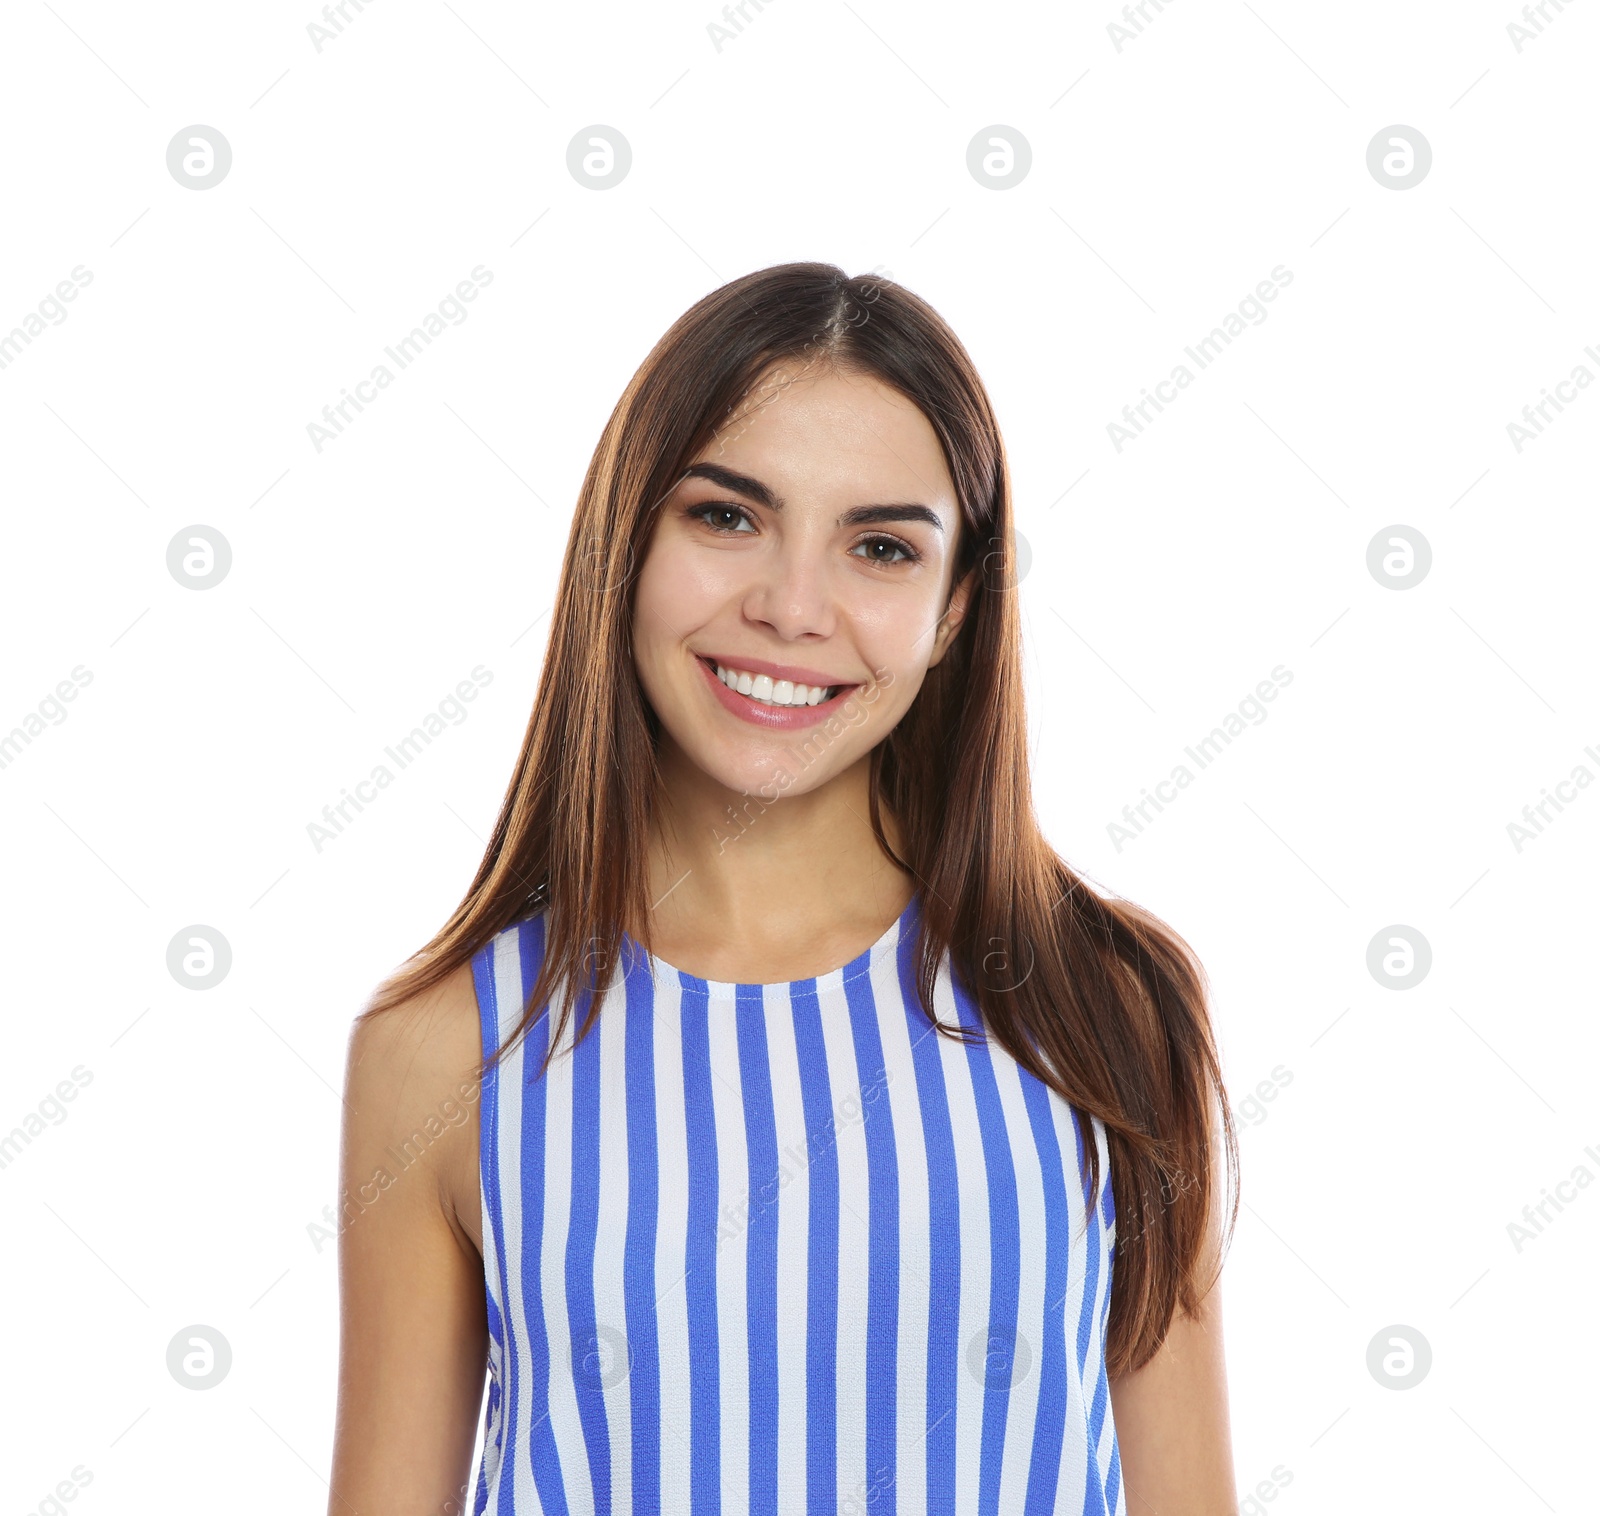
755,696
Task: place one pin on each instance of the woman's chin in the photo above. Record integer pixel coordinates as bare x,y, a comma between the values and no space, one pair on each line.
756,770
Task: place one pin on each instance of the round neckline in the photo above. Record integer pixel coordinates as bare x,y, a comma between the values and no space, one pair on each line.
728,989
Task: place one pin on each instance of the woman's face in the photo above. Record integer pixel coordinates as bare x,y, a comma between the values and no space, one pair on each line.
812,544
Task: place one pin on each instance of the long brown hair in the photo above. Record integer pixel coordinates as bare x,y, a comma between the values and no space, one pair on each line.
1095,996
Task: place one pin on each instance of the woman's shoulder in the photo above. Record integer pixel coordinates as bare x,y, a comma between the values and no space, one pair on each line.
412,1095
434,1025
413,1066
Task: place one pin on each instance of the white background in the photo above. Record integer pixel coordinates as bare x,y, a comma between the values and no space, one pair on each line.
1167,579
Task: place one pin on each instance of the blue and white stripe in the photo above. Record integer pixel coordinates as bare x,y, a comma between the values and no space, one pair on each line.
779,1249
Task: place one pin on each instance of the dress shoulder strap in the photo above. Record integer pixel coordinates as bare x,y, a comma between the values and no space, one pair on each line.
503,973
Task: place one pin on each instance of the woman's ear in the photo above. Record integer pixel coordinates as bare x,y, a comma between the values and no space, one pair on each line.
954,613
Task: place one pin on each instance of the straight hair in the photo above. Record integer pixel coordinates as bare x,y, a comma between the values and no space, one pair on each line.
1092,994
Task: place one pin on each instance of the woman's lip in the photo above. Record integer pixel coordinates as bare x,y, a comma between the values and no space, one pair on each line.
774,717
750,664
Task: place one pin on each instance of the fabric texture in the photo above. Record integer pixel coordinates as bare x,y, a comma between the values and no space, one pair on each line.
771,1249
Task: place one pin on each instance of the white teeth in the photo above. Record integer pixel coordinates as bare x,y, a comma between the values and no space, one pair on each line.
768,691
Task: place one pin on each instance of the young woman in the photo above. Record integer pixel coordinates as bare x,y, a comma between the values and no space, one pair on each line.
778,1119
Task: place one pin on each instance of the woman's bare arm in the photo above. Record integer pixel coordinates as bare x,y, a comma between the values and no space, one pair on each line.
1171,1413
1172,1423
413,1336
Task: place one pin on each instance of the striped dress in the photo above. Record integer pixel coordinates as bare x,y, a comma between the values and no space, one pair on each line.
783,1248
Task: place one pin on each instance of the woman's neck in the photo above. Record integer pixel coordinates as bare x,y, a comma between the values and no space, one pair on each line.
760,883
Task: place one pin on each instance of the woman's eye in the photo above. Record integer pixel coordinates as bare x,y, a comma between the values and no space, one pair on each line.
723,519
891,544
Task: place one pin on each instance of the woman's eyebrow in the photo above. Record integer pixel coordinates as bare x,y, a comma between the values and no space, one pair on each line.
857,515
732,479
866,515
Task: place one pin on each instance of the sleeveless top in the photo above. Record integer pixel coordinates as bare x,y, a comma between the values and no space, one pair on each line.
784,1248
